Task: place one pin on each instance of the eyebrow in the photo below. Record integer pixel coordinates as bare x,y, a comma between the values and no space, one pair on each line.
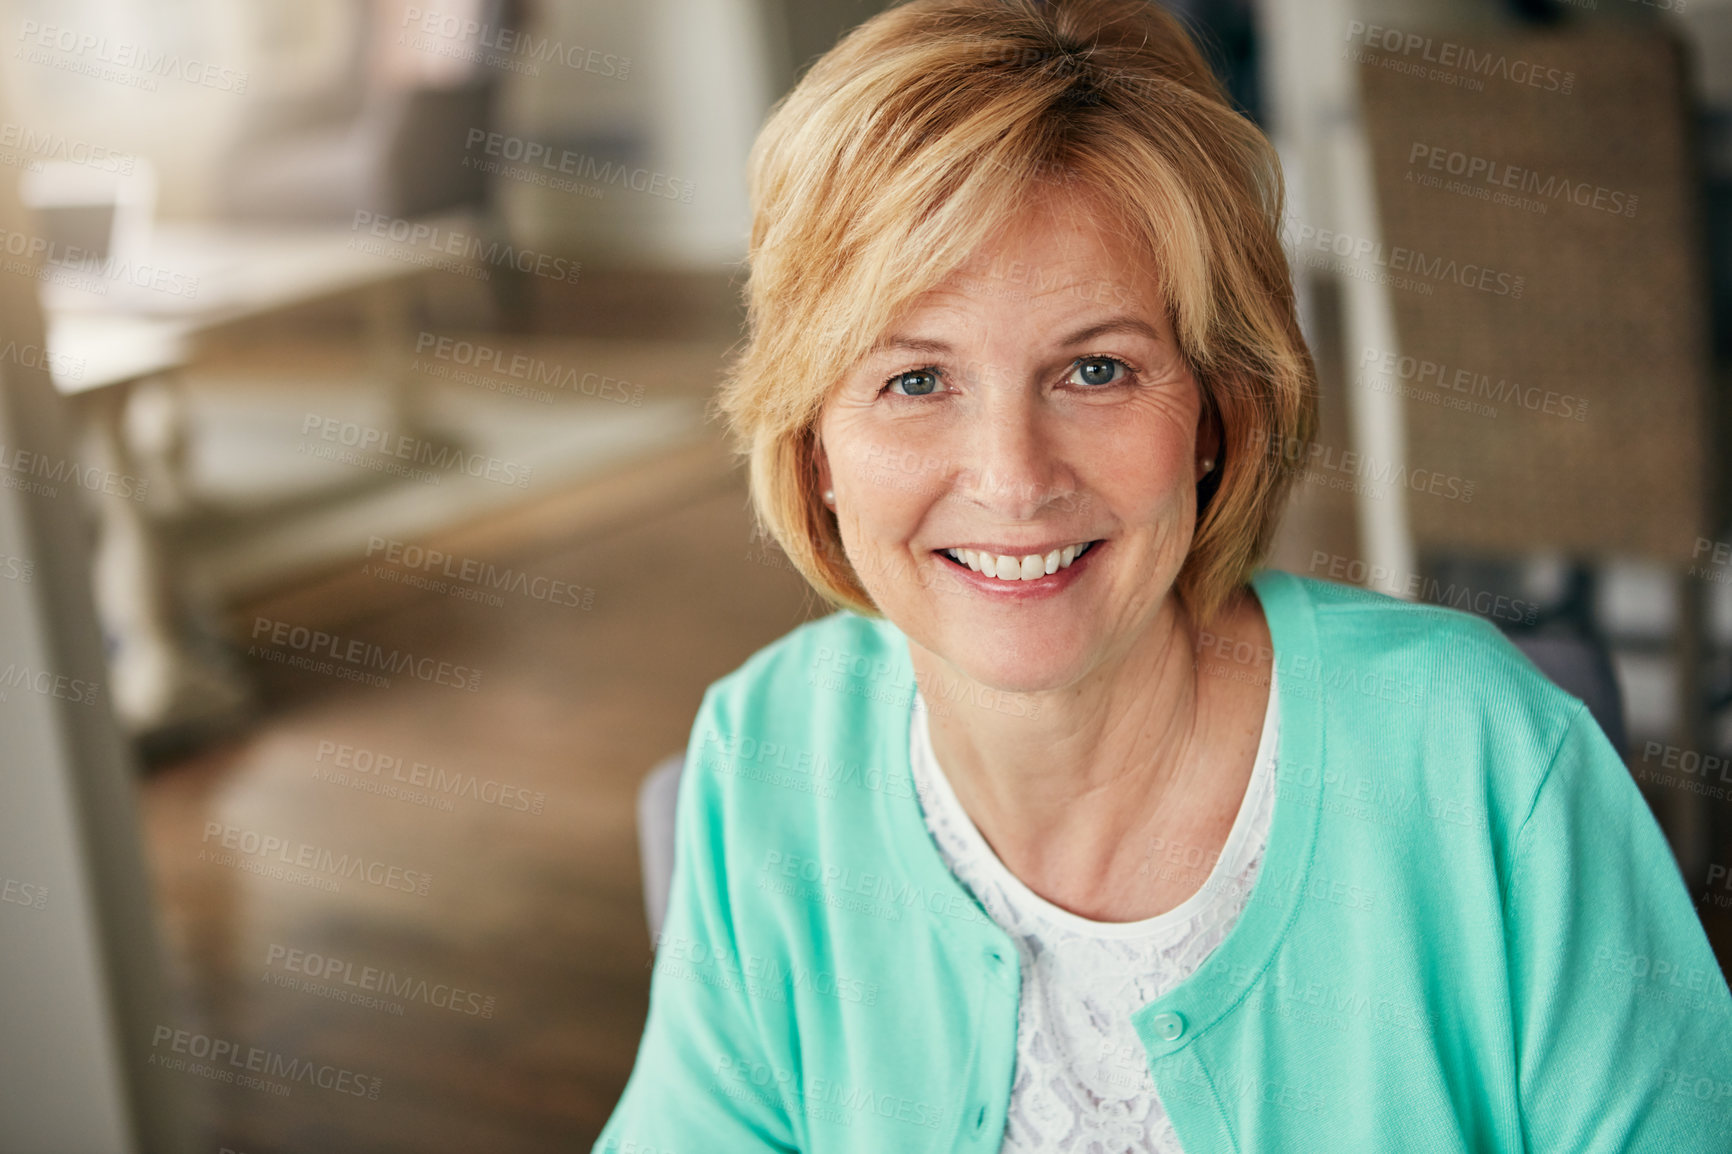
912,344
1081,336
1134,325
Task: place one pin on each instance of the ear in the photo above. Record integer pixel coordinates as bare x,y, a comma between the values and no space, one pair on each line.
1208,440
821,460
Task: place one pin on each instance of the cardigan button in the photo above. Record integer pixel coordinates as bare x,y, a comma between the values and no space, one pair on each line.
1168,1027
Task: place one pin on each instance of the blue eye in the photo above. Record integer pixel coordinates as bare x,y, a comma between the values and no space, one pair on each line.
1096,371
916,383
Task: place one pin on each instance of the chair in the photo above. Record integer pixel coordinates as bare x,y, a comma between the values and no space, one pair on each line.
656,801
388,132
1583,669
1576,665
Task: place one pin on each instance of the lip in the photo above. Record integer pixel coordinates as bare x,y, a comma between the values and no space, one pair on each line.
1047,585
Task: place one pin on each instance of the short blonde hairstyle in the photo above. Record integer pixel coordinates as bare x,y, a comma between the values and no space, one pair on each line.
930,125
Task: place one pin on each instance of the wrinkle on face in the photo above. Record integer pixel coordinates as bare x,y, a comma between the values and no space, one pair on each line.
1006,453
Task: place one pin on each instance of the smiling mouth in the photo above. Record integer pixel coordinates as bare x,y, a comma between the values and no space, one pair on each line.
1016,567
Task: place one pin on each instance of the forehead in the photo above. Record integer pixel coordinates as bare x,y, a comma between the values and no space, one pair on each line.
1060,254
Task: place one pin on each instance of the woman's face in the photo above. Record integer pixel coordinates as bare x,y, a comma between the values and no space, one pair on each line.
1034,401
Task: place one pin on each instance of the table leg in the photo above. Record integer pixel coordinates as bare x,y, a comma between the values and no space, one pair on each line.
391,344
158,682
155,430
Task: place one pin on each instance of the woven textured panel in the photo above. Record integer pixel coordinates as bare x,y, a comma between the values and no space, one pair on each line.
1541,242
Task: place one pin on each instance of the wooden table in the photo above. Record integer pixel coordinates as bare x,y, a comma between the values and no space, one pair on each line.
107,337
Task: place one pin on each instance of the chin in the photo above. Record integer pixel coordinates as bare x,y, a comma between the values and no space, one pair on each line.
999,662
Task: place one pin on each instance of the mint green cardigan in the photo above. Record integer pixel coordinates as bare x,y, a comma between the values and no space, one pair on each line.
1467,934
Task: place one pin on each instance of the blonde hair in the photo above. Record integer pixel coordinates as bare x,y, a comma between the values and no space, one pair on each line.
930,125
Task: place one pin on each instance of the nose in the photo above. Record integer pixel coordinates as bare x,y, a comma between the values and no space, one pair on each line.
1014,464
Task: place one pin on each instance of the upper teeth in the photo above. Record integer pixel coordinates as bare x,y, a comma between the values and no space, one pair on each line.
1025,568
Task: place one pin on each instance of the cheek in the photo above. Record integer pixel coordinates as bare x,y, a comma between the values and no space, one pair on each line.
889,484
1146,482
878,520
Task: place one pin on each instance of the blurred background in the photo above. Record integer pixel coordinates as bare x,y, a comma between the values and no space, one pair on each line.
364,543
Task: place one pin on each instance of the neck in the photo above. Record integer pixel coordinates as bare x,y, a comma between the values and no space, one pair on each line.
1075,792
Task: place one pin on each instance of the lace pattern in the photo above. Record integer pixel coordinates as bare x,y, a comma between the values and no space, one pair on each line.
1082,1085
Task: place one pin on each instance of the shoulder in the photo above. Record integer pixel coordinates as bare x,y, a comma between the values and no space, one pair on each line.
797,777
842,637
842,655
1426,691
1427,647
810,719
1341,603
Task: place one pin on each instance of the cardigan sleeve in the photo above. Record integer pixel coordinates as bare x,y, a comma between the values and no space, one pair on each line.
1623,1021
702,1082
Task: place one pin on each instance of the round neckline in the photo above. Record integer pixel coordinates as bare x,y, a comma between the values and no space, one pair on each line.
1225,979
1228,865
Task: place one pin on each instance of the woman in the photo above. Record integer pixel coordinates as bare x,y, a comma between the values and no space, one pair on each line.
1074,830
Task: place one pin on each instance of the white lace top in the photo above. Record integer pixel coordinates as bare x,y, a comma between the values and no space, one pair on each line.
1082,1082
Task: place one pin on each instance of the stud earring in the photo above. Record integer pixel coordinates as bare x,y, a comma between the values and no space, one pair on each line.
1208,465
829,496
